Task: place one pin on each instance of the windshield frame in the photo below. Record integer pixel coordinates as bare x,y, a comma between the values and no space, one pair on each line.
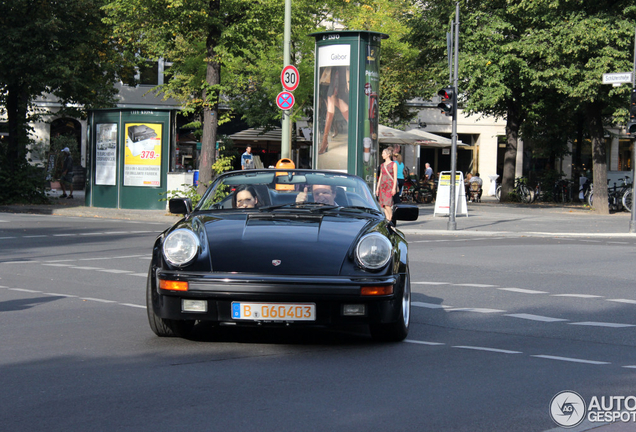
280,186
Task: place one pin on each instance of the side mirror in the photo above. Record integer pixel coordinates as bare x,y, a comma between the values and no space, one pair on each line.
182,206
406,212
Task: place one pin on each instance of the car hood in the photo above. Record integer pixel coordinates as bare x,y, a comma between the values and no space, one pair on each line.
285,244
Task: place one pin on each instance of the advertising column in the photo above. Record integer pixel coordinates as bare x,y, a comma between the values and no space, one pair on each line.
334,70
370,112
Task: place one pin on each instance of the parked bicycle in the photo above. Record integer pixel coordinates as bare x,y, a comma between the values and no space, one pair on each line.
619,197
521,191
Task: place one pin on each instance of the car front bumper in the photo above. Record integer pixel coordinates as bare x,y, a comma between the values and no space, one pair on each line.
330,294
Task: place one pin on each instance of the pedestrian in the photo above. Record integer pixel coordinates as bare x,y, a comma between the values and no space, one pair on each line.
428,172
247,160
400,177
66,175
387,184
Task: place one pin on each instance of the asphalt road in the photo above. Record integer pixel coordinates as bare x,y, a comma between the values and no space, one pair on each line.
500,325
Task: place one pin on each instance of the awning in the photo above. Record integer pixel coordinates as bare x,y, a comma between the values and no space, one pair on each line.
257,135
387,135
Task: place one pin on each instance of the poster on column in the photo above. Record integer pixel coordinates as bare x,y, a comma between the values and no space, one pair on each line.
332,138
106,154
142,161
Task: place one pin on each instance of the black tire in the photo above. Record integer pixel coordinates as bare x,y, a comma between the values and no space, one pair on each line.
160,326
526,195
590,199
627,200
398,330
498,193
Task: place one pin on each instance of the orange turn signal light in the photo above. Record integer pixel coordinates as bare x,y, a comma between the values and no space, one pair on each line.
376,290
173,285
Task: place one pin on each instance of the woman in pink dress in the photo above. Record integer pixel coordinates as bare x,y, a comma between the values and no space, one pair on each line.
387,183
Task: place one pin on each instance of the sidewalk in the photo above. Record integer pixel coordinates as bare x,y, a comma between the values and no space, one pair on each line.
488,218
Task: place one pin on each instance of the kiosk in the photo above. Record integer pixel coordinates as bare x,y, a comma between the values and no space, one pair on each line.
346,88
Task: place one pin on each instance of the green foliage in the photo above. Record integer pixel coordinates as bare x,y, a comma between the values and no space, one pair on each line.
22,185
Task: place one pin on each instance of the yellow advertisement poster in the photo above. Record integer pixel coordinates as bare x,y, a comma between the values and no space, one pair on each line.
142,160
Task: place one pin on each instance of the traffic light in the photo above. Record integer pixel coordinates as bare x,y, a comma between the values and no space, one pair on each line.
448,102
631,124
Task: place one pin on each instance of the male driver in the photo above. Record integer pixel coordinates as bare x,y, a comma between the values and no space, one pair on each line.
324,194
247,161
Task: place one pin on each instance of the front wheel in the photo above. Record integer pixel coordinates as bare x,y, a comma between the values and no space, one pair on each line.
590,199
163,327
396,331
498,193
627,200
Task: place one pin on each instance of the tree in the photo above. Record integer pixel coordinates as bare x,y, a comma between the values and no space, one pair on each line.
199,37
60,48
577,43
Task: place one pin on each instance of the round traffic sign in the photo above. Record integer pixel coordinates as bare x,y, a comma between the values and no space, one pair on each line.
290,78
285,100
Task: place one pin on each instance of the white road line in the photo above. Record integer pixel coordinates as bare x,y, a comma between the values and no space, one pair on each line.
59,265
423,342
5,238
476,285
97,300
630,367
428,305
617,242
536,317
487,349
139,274
591,241
431,283
478,310
569,359
622,301
129,256
602,324
86,268
26,290
92,233
523,291
94,259
35,236
577,295
63,235
58,261
60,295
133,305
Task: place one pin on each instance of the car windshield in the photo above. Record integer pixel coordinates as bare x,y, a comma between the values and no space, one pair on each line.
270,189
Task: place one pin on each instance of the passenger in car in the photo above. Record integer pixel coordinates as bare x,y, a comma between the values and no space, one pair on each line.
245,197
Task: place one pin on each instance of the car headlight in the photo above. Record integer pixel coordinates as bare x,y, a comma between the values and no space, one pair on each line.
373,251
180,247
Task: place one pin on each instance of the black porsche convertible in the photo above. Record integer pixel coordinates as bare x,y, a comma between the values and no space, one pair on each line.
272,247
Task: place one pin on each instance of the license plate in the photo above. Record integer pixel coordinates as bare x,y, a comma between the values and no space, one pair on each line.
274,311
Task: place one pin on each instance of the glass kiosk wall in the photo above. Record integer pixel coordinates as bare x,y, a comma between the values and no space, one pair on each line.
346,85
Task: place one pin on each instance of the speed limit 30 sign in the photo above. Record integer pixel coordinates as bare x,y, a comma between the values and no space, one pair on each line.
290,78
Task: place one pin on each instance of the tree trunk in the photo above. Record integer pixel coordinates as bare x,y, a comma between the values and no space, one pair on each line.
513,121
599,157
211,102
17,105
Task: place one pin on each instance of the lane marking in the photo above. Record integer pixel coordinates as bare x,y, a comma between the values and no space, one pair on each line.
476,285
478,310
60,295
423,342
569,359
86,268
429,305
138,274
431,283
20,262
535,317
622,301
602,324
97,300
523,291
630,367
133,305
35,236
476,348
58,265
577,295
26,290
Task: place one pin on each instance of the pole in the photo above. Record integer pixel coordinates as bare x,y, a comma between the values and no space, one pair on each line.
632,221
285,139
452,224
